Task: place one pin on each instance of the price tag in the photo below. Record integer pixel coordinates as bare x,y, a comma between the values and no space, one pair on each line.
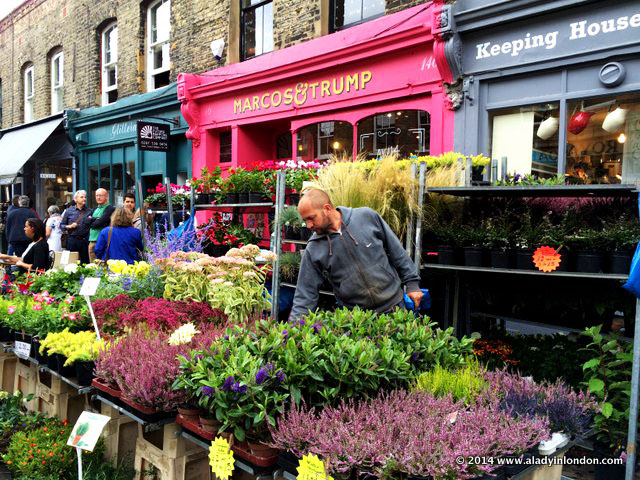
22,349
64,258
87,430
546,259
221,458
89,286
312,468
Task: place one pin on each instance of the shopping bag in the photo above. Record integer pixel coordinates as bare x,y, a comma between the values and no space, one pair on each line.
633,282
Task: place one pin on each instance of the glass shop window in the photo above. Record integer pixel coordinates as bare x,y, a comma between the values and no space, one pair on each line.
603,140
322,140
403,131
528,137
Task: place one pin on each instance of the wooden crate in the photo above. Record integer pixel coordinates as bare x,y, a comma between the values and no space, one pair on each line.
120,436
68,405
169,456
7,371
25,380
53,383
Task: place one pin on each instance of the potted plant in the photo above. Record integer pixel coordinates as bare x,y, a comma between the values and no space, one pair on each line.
290,266
448,238
607,375
290,219
525,240
257,185
498,240
587,246
621,238
472,238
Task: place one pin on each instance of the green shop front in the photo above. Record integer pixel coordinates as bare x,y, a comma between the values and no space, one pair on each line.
106,145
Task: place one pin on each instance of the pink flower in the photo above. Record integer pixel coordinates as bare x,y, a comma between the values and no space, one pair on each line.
72,317
69,300
37,306
11,310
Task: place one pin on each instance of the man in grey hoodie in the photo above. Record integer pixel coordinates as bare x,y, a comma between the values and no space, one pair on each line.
358,253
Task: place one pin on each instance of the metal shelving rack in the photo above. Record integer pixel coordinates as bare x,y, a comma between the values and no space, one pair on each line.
554,191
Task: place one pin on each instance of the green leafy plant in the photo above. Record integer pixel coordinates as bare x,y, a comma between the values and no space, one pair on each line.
290,266
463,384
607,375
290,217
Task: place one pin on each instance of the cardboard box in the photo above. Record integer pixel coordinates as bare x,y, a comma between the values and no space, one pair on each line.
67,256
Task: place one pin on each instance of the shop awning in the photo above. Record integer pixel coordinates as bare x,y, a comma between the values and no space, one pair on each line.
18,145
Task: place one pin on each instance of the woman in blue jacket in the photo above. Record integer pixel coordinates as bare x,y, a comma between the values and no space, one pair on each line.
120,241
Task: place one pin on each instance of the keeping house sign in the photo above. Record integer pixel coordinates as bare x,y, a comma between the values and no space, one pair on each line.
563,34
153,136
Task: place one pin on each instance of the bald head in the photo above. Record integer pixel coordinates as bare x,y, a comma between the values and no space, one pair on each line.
318,212
315,198
102,196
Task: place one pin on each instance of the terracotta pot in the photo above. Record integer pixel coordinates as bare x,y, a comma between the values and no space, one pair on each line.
262,450
189,413
210,425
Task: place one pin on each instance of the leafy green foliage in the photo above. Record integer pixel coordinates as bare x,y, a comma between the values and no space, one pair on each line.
463,384
608,374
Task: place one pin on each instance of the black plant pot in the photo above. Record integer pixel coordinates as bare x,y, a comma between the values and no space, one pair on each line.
42,358
202,198
35,346
430,255
22,337
500,258
620,262
215,250
305,234
446,255
589,261
524,259
6,334
293,199
84,372
606,472
52,362
243,197
497,474
289,462
511,470
231,198
291,233
68,371
472,256
255,197
476,174
564,262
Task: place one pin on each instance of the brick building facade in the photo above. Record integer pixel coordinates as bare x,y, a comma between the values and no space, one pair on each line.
36,31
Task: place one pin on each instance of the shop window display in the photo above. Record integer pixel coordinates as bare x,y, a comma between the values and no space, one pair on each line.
603,140
322,140
528,138
406,132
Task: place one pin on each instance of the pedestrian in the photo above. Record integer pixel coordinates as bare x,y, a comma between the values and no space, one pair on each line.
130,203
358,253
53,228
36,255
121,241
98,219
16,218
14,203
137,217
76,226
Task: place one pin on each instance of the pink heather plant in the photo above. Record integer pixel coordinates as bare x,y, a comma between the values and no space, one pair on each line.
405,432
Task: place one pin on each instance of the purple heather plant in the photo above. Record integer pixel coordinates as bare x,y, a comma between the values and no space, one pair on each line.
567,411
414,433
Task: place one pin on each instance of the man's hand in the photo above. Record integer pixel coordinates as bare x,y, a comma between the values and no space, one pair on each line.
416,297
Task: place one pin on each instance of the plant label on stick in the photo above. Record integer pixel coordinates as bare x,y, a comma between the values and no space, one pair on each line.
221,458
89,288
22,349
64,258
87,430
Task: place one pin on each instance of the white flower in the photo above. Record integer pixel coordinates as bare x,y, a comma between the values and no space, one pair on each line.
71,268
182,335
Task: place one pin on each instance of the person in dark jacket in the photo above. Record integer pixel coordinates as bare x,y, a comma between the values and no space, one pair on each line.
358,253
16,218
99,218
120,241
76,224
36,255
14,203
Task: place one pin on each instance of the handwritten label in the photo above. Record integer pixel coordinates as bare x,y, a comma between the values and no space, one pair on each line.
221,458
22,349
312,468
89,286
546,259
64,258
87,430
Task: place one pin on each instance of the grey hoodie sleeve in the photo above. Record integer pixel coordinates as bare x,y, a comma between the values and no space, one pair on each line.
398,257
307,290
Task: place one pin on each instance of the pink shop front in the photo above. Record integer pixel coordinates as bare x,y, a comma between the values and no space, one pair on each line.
371,88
